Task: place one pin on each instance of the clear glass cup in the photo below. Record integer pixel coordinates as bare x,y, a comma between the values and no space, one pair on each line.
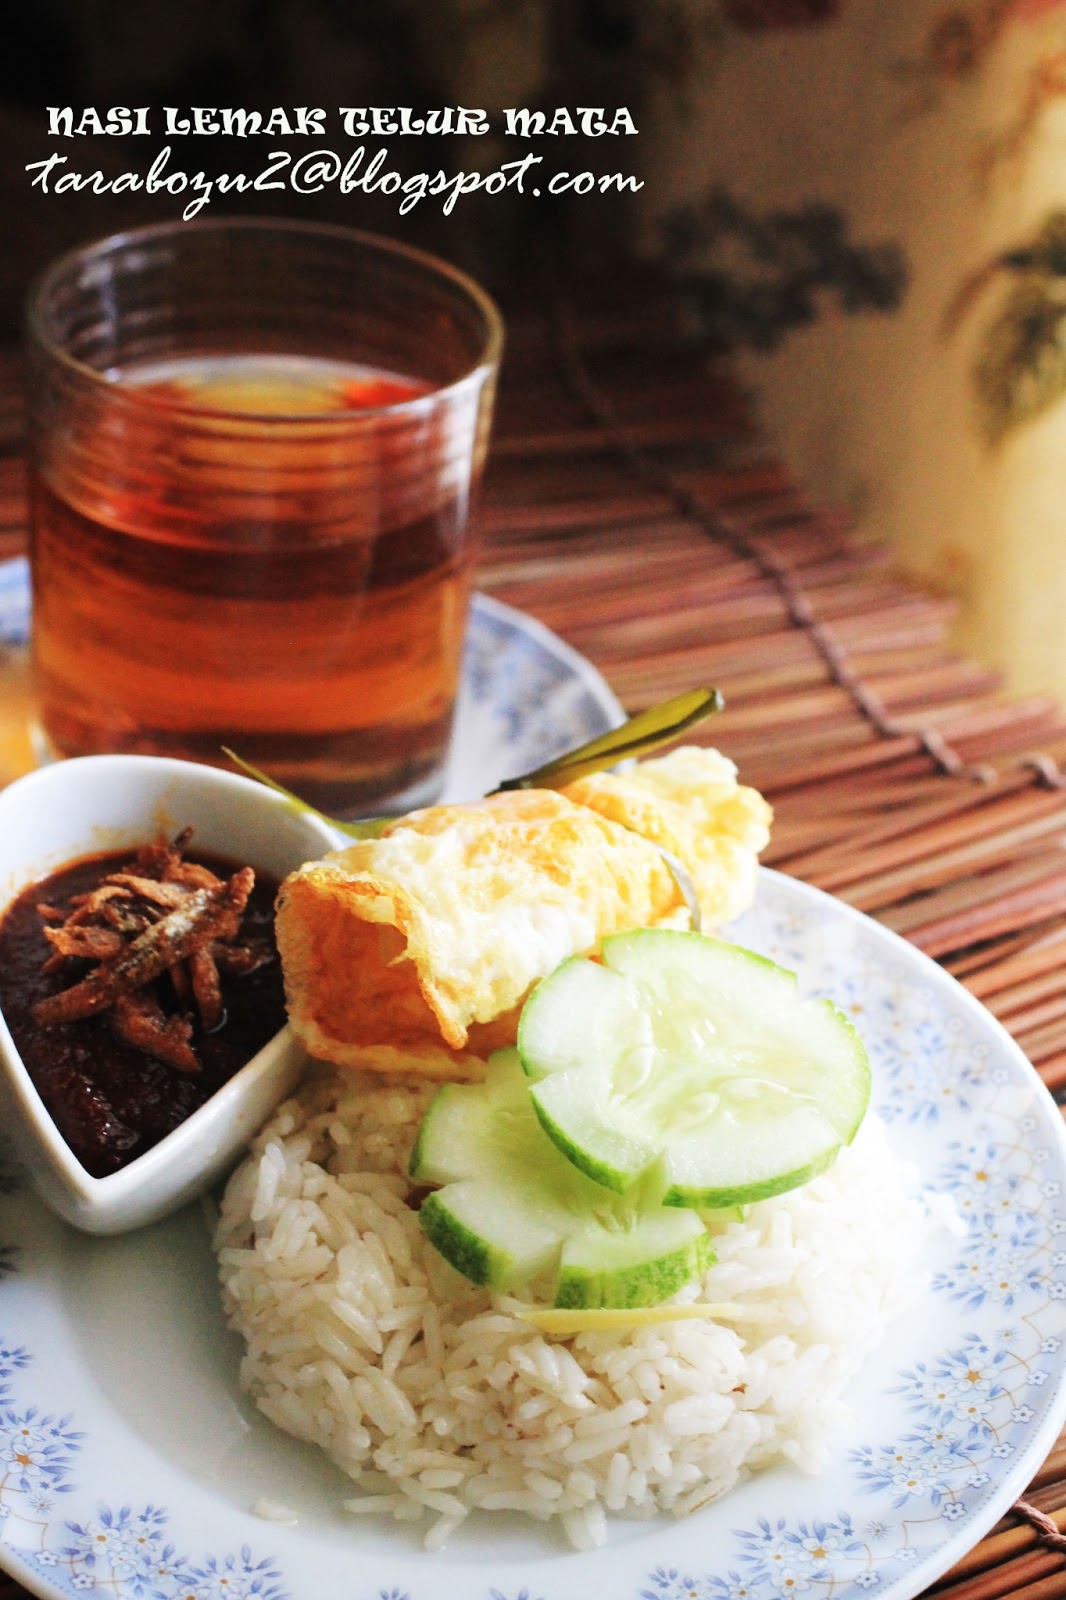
254,451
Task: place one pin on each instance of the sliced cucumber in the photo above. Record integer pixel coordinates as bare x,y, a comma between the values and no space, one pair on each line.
693,1067
513,1210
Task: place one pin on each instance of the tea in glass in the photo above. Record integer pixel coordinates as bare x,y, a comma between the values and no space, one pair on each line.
251,499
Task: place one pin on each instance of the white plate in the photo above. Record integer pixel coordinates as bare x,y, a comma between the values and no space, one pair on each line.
526,696
142,1463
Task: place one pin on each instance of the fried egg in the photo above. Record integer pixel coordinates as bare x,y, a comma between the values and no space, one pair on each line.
415,951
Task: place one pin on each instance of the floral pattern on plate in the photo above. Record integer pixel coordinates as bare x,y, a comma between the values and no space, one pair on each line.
951,1416
526,697
970,1412
122,1553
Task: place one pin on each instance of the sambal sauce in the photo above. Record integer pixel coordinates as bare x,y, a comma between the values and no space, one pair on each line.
135,984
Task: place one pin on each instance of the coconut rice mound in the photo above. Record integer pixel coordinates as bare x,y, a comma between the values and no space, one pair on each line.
436,1399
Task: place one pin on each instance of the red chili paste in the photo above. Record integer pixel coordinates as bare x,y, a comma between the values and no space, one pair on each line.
110,1100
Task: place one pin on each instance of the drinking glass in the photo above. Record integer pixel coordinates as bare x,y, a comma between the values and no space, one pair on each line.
255,446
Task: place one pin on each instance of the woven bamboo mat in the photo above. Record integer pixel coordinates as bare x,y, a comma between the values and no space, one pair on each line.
631,505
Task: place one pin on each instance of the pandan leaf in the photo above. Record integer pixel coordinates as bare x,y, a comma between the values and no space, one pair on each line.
645,732
366,828
1021,371
639,735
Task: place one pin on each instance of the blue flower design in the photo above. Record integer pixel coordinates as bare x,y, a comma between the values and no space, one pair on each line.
124,1551
962,1385
670,1583
529,690
1000,1274
919,1466
732,1587
772,1549
780,1557
927,1077
37,1450
11,1361
120,1543
237,1576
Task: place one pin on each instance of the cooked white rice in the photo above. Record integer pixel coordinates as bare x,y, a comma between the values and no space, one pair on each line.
436,1399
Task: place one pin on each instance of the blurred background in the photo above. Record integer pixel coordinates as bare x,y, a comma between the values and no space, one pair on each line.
864,204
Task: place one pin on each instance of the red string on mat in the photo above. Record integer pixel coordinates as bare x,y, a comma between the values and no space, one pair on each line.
729,531
1048,772
1046,1530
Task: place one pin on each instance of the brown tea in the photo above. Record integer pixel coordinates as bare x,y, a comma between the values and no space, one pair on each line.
257,574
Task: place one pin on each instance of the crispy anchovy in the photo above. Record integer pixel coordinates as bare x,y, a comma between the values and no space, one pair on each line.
86,906
206,913
138,1020
125,915
193,876
206,988
84,941
158,892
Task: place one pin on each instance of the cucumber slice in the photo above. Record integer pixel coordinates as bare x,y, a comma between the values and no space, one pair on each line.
693,1067
513,1210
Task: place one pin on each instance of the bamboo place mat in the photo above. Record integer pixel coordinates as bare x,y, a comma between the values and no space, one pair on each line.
631,505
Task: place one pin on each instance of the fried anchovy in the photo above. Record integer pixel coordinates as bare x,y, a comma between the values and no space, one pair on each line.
85,942
193,876
159,893
138,1020
205,915
206,988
